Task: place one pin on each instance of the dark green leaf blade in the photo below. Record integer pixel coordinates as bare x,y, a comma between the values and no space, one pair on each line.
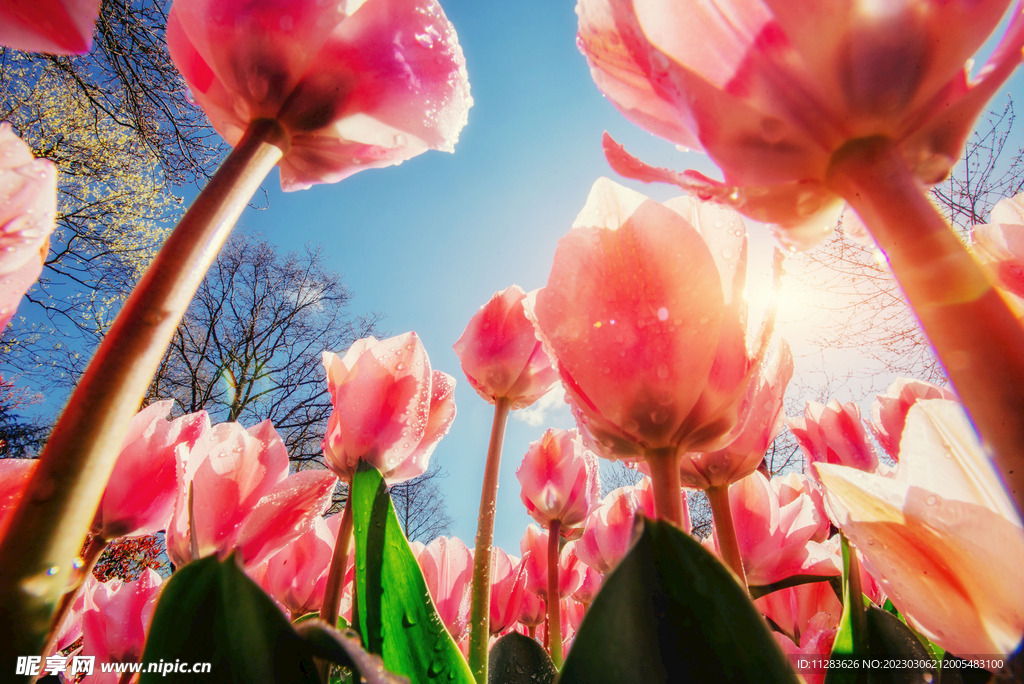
891,640
345,647
518,659
210,611
671,612
397,618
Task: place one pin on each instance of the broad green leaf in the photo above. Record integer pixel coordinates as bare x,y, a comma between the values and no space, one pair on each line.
758,591
890,639
671,612
518,659
934,650
397,618
211,612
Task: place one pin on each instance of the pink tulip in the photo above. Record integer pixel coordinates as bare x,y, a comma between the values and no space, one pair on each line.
592,580
648,323
116,619
508,590
390,409
947,503
447,566
609,531
834,434
1000,246
354,86
569,612
763,420
139,497
643,490
57,27
501,355
297,574
793,608
560,479
14,476
889,410
534,608
777,540
770,90
570,570
814,644
28,207
242,496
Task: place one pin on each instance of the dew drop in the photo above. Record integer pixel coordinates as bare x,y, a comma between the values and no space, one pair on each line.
663,372
662,314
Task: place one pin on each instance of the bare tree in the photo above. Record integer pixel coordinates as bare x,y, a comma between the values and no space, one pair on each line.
420,507
249,347
618,474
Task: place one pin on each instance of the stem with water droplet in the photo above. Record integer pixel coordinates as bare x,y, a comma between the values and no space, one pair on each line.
480,609
339,561
51,522
973,331
554,605
725,530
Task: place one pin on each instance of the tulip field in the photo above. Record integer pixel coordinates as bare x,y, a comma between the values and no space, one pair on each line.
891,551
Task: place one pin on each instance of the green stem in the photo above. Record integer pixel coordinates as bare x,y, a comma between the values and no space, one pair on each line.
666,485
480,608
725,529
554,605
51,522
973,331
339,561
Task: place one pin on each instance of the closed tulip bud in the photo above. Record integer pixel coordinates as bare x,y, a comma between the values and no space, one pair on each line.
56,27
834,433
447,566
609,531
390,408
570,570
534,608
501,355
139,497
353,85
508,590
235,492
592,580
28,209
560,479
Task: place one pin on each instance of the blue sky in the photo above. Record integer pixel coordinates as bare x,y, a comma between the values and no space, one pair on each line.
428,242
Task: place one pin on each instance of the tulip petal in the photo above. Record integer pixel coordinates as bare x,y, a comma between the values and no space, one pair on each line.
58,27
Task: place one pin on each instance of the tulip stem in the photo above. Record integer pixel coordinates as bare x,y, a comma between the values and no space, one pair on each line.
973,331
51,522
480,609
554,604
339,563
90,555
858,617
666,485
725,530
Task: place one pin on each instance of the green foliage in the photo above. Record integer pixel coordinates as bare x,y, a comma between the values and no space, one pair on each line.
397,617
671,612
518,659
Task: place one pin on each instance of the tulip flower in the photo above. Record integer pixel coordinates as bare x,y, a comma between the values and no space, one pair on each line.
644,491
14,476
889,411
507,366
447,566
560,479
609,531
793,608
1000,247
592,580
56,27
508,590
777,540
814,644
390,410
648,325
763,420
352,86
534,611
28,207
116,619
805,105
235,492
550,572
943,536
834,434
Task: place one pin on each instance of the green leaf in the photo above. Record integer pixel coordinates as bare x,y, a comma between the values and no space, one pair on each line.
890,639
851,639
935,651
397,618
209,611
212,612
671,612
518,659
793,581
